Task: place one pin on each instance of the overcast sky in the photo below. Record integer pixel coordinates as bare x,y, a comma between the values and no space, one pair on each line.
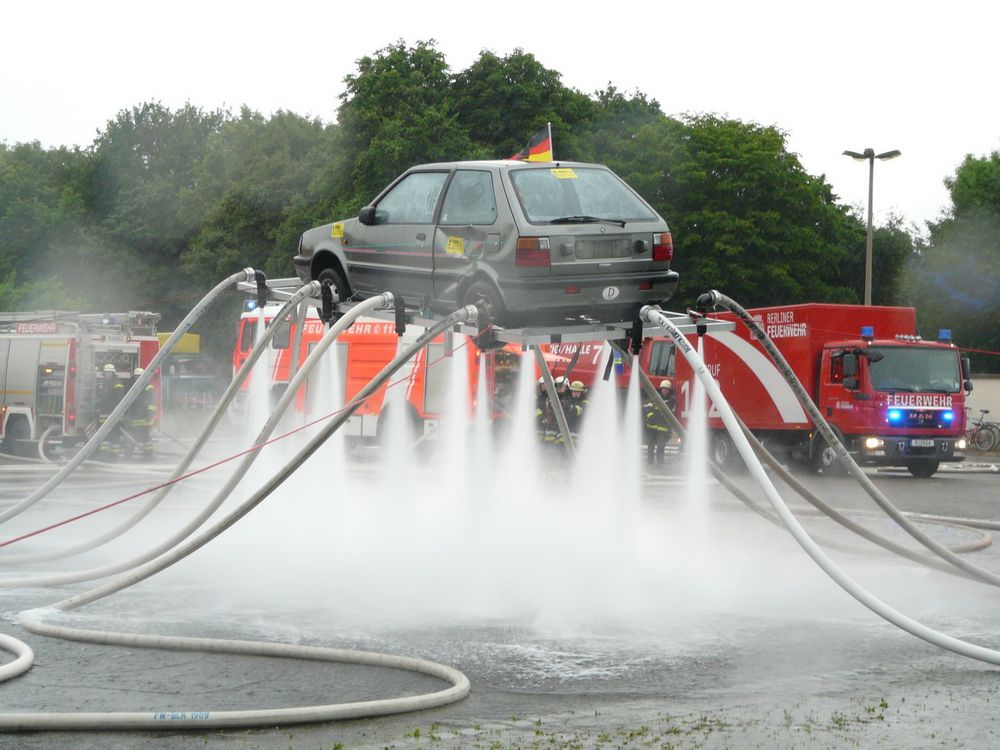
915,76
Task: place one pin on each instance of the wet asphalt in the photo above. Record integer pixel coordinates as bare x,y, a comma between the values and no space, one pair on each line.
736,641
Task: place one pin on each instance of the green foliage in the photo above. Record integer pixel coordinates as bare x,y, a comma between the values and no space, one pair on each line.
956,277
167,202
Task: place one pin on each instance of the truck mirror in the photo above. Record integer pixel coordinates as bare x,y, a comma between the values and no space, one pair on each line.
966,367
850,369
367,215
851,383
968,386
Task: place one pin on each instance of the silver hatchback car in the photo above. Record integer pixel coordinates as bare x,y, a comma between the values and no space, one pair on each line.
528,243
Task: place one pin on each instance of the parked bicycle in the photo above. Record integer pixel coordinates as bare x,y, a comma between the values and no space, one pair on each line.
985,436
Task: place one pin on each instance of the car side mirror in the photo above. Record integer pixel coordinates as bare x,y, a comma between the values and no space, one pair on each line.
851,383
367,215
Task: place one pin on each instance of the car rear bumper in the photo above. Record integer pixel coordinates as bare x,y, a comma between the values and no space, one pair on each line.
587,294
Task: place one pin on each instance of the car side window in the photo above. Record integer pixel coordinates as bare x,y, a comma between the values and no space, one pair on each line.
470,199
412,200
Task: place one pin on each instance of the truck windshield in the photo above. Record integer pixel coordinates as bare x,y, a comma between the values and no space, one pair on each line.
915,368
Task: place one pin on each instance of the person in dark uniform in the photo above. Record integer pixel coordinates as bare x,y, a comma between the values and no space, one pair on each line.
140,421
575,407
656,425
109,394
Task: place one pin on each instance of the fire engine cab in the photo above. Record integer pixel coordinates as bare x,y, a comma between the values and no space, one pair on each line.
49,363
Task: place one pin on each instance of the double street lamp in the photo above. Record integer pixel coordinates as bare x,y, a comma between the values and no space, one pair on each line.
870,156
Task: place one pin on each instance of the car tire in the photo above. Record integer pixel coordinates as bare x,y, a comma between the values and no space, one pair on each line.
486,298
337,281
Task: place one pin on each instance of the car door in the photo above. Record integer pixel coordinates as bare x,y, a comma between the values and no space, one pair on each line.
467,230
395,252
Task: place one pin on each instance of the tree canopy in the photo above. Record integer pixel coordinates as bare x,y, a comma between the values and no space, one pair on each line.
166,202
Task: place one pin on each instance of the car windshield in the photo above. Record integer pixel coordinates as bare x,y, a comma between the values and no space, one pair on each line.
915,368
579,195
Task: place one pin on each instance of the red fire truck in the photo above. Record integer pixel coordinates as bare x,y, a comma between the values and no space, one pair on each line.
49,367
893,398
362,351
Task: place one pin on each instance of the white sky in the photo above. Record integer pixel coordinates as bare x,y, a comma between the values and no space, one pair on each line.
915,76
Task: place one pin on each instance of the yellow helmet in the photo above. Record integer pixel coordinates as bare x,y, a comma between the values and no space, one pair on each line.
576,385
666,384
109,368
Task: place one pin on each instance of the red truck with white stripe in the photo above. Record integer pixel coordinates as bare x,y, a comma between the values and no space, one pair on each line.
893,398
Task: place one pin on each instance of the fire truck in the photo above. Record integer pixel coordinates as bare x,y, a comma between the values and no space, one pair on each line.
361,352
49,368
893,398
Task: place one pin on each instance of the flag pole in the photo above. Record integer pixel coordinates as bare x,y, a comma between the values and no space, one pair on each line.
551,146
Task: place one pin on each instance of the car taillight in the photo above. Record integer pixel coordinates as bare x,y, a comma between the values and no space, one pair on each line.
663,247
645,286
533,252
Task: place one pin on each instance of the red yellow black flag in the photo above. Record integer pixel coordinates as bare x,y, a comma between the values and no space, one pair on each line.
539,148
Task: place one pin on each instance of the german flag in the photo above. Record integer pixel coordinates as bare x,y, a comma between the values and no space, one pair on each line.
539,148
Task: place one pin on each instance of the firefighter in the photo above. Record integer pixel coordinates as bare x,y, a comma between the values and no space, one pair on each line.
109,394
140,421
575,407
656,425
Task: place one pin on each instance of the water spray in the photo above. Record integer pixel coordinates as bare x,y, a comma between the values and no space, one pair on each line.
32,620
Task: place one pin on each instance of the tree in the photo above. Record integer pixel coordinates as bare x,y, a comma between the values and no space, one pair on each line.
502,101
745,216
397,112
956,278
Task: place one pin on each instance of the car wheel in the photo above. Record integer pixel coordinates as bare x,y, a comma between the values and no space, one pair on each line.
336,279
486,298
724,453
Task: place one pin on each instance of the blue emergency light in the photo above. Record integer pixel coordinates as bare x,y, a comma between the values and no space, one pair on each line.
947,416
867,332
944,335
249,305
895,417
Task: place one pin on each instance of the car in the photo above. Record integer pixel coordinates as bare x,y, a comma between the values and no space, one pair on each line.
528,243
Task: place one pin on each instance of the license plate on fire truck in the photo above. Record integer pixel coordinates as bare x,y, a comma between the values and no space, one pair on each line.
922,443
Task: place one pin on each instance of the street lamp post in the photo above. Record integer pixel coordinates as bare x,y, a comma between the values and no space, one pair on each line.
870,156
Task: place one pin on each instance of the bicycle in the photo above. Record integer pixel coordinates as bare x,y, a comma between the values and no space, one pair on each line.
985,436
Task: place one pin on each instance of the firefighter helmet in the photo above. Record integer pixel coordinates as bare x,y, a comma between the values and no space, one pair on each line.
109,368
666,385
137,372
560,381
576,386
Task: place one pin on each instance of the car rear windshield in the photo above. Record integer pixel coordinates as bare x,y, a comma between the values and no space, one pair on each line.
555,194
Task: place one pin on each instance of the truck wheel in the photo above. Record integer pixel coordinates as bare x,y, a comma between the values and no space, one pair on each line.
723,451
337,281
924,468
16,437
824,458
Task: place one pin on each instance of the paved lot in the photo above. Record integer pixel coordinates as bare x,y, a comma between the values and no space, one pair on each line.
679,620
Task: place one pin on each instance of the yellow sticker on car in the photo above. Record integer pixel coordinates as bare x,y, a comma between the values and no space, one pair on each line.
564,173
337,231
455,246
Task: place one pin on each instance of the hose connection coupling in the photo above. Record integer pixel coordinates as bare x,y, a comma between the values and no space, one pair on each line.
248,274
707,301
699,319
472,314
261,280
